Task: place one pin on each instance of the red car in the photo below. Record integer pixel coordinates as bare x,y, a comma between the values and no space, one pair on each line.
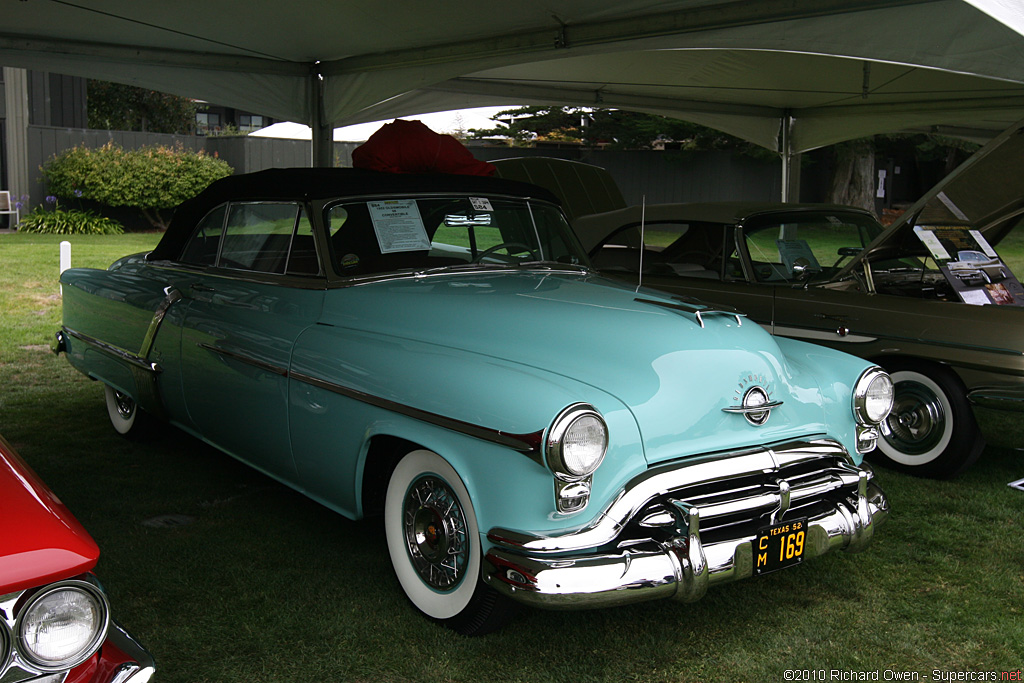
55,624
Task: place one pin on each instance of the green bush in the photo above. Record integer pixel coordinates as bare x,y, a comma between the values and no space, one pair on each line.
68,222
148,179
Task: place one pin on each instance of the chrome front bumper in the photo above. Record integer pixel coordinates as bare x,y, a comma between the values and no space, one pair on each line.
130,663
678,529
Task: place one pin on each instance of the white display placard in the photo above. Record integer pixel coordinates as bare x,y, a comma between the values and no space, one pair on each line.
398,226
975,297
932,243
983,243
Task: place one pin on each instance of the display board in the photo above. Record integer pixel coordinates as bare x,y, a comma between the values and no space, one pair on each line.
971,266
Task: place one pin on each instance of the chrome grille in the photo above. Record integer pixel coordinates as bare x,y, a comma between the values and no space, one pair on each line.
736,506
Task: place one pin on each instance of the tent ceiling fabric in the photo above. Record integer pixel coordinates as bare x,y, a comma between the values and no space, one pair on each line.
840,68
743,92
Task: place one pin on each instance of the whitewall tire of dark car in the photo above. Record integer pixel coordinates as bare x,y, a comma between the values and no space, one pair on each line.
931,430
434,543
127,418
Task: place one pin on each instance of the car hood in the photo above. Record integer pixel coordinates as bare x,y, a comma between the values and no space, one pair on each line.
979,193
40,540
644,348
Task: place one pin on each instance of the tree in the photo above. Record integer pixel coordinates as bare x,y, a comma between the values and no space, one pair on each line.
113,106
853,179
854,175
525,125
610,128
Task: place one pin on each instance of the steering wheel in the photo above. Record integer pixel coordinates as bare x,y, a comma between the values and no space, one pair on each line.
505,245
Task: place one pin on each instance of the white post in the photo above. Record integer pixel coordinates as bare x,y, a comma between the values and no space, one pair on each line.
65,259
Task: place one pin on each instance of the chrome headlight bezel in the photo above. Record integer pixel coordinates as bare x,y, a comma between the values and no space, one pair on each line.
6,647
554,445
860,396
90,645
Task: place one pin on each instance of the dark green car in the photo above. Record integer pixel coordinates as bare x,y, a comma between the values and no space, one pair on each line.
833,275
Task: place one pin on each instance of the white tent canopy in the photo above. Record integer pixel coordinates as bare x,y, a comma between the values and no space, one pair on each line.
790,75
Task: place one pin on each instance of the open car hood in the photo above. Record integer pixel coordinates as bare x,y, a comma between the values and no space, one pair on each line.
984,193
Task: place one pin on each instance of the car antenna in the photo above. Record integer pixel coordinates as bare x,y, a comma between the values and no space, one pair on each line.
643,212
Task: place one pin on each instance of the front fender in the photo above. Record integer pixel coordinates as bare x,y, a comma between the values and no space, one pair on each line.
836,373
348,387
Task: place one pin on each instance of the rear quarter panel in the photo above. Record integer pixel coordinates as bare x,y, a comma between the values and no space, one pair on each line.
115,307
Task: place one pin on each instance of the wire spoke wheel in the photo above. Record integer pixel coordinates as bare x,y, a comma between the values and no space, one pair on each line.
435,548
435,533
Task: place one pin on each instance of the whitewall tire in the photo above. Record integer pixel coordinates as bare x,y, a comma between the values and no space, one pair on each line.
127,418
931,430
434,544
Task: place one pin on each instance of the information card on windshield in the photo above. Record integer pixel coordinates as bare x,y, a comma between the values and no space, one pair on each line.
398,225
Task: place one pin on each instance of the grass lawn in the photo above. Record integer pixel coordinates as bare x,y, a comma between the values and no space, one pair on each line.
228,576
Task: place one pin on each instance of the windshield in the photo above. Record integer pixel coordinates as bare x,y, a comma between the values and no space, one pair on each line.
811,245
382,235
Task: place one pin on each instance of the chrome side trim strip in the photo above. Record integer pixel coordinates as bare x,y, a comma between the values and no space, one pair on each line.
822,335
249,360
529,444
116,352
171,295
797,332
998,398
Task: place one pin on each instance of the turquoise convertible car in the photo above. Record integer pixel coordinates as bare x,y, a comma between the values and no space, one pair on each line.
435,349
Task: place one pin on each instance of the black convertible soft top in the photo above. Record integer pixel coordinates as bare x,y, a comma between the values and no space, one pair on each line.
300,184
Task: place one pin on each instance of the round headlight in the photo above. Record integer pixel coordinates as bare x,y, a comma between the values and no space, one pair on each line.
577,441
63,625
873,395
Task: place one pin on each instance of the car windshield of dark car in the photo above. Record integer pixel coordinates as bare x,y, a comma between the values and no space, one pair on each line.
806,246
374,236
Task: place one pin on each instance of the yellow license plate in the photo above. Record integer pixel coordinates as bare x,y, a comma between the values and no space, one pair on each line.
779,546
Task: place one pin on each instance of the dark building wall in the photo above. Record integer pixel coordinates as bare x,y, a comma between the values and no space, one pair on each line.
56,100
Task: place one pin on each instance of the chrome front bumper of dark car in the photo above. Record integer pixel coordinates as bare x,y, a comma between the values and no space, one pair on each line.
679,528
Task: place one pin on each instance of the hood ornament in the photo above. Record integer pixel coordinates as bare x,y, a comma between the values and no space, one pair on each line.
756,404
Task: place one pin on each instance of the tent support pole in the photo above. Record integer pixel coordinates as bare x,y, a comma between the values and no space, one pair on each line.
15,88
790,160
323,134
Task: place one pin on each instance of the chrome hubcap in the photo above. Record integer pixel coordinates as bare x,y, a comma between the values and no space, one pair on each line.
917,421
125,405
435,533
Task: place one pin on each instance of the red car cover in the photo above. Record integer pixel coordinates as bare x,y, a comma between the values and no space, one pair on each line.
410,147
